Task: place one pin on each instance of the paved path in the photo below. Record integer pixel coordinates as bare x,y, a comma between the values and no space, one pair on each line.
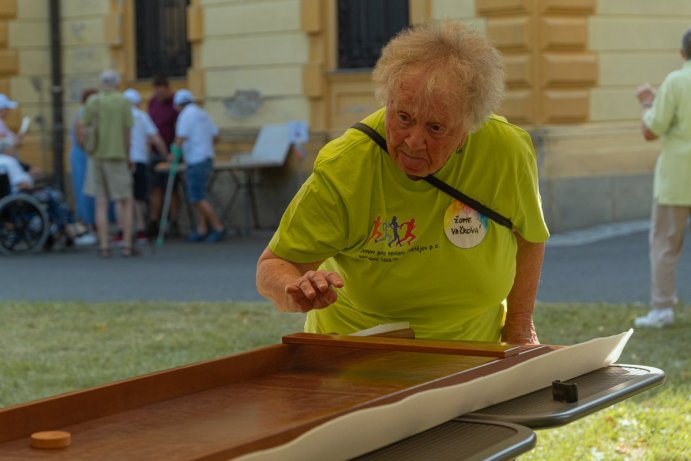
177,271
607,264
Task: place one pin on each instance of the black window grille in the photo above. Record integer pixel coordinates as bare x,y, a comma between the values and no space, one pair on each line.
161,38
364,27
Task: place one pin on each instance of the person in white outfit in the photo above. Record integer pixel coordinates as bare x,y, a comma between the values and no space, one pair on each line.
143,135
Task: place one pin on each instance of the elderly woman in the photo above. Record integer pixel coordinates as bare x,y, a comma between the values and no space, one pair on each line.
367,241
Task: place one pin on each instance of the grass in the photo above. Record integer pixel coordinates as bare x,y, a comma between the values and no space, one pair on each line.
651,426
51,348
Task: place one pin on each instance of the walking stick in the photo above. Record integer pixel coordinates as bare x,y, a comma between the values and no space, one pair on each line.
177,153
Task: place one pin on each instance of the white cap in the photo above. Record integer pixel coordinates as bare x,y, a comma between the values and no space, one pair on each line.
7,103
182,97
110,78
132,95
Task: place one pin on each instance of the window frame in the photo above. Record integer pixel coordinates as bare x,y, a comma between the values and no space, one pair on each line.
368,37
129,55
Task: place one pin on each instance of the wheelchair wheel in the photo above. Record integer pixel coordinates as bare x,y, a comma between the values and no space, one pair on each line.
24,224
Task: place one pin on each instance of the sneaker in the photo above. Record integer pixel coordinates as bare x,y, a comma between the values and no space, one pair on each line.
196,237
117,240
85,240
656,318
140,238
215,235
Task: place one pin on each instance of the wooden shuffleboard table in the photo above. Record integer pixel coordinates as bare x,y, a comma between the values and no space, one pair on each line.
241,404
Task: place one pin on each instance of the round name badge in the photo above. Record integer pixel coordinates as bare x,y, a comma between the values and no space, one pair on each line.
464,226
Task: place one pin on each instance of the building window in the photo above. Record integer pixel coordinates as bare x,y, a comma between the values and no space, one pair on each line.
364,27
161,38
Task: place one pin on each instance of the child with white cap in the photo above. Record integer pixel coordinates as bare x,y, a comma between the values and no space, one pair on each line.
142,135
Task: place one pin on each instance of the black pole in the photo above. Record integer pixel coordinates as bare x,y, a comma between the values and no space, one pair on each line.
56,94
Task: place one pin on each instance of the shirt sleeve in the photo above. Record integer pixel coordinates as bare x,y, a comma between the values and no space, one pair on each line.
530,222
314,227
505,153
660,116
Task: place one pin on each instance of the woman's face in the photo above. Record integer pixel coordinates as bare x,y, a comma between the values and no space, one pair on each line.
420,137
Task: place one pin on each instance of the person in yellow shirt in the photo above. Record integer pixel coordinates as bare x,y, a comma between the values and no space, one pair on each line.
666,114
370,238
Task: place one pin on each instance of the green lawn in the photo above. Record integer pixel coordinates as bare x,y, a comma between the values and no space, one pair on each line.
51,348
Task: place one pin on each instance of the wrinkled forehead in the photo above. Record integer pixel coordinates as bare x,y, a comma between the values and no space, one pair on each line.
426,95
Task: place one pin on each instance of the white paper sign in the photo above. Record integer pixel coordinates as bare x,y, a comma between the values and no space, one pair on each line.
298,132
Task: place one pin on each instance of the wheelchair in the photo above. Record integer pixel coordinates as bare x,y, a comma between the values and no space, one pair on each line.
24,223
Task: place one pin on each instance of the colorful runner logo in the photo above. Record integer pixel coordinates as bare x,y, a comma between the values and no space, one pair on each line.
392,232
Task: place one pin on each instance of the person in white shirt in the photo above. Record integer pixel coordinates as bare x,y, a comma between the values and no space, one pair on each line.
18,177
143,134
16,140
22,182
6,104
196,134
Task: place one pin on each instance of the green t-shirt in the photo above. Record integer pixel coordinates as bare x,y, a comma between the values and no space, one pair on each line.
406,250
113,115
670,119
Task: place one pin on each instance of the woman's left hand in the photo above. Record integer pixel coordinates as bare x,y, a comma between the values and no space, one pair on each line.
519,330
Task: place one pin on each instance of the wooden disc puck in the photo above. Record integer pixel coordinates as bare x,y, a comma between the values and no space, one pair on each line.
51,439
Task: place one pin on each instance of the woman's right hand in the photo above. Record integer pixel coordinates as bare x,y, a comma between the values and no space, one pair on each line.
314,290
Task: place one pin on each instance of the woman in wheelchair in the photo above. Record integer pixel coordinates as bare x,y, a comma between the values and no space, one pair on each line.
30,218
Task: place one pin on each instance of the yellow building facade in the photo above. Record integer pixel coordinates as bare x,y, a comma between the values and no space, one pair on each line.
572,68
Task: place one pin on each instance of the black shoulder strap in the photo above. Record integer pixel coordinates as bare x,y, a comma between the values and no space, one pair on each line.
441,185
369,131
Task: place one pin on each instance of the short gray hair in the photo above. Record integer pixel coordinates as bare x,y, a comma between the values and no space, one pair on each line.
686,44
456,61
110,78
